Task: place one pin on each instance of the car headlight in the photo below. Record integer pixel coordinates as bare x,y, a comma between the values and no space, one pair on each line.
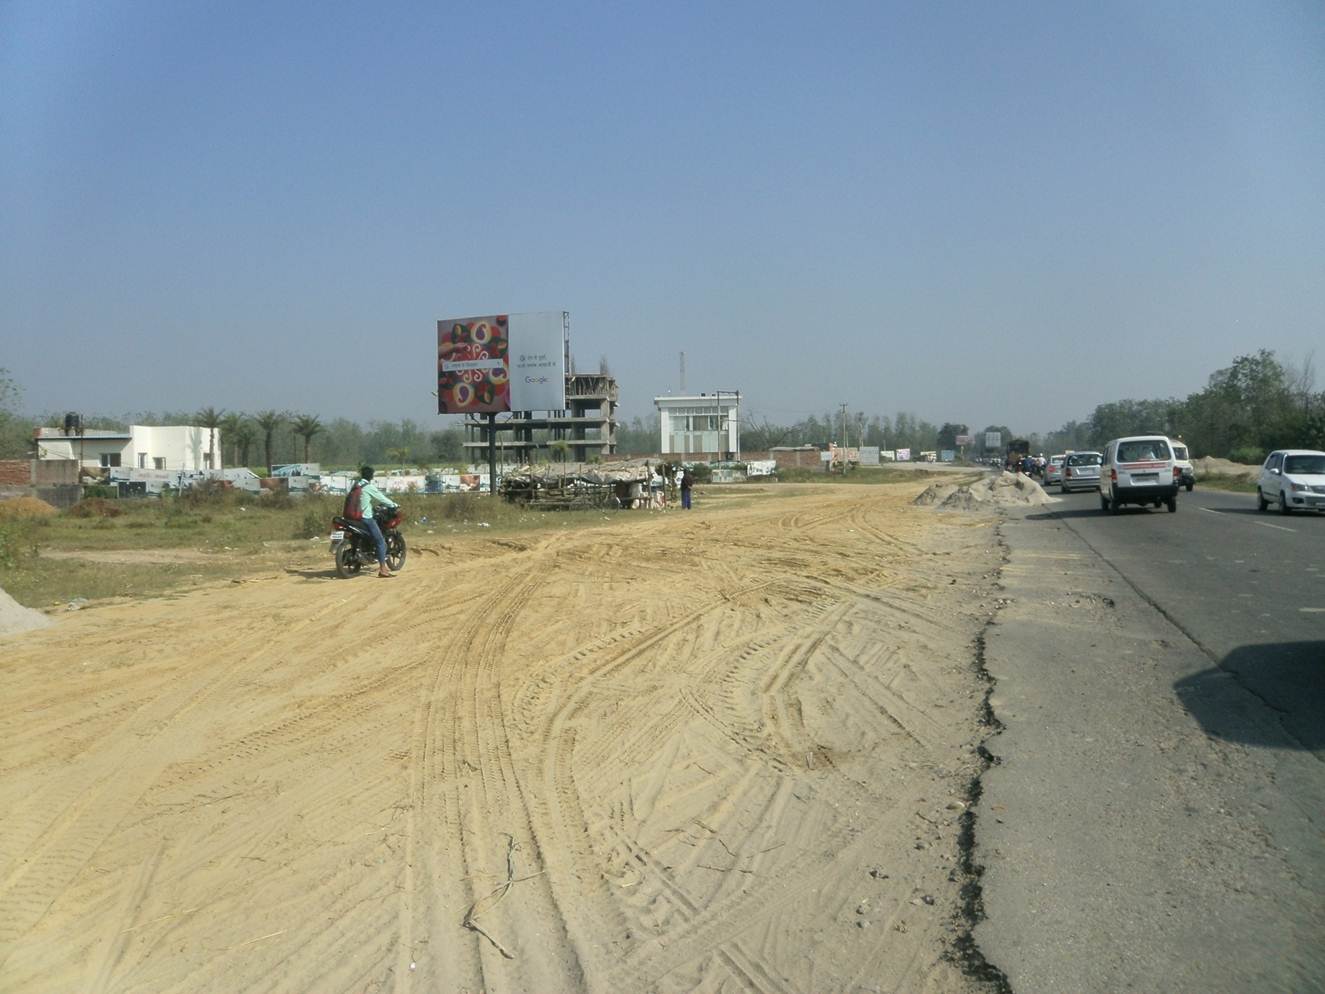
1297,487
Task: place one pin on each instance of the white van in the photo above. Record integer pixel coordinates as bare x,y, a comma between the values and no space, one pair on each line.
1183,460
1138,469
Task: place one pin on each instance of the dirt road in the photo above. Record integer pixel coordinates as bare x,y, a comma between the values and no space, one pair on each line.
716,751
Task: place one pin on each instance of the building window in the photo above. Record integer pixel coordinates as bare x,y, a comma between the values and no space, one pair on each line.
158,462
142,460
109,459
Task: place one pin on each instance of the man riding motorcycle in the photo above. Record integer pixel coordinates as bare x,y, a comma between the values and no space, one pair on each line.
368,494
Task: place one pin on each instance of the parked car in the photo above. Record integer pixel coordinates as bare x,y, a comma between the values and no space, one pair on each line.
1138,469
1294,479
1183,460
1053,469
1081,471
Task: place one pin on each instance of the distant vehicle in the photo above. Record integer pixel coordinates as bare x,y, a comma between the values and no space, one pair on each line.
1053,469
1182,458
1081,471
1294,479
1138,469
1018,449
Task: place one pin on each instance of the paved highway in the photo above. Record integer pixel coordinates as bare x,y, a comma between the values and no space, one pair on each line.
1231,578
1155,819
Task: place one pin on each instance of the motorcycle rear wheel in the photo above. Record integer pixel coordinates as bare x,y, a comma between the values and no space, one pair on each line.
395,551
347,561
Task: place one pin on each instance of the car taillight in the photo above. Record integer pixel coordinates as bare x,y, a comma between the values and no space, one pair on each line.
1113,475
1177,473
1067,470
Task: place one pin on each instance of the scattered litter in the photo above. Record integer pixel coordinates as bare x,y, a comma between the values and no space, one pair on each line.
484,524
76,604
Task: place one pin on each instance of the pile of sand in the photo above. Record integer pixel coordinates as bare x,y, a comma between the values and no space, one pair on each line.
24,507
1213,466
15,618
1004,490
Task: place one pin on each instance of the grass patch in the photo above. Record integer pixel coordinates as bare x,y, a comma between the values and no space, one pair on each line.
218,534
1221,481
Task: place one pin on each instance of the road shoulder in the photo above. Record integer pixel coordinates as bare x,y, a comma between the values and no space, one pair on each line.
1124,848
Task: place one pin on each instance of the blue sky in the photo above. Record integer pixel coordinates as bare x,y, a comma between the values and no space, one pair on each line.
977,212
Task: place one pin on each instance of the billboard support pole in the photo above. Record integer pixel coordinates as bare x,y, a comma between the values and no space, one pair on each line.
492,453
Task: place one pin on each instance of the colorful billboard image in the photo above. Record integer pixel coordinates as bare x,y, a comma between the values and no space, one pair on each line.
472,374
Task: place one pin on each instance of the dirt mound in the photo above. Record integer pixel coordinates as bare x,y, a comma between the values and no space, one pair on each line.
24,507
15,618
1213,466
1003,490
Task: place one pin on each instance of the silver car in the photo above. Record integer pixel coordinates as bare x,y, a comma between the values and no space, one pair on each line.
1081,471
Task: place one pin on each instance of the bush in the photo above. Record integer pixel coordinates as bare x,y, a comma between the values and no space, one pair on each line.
1250,455
17,543
208,493
95,507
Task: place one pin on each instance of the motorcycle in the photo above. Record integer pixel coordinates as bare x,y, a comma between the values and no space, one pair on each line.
353,547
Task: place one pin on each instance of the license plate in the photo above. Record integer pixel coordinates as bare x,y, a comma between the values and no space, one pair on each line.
1145,477
337,537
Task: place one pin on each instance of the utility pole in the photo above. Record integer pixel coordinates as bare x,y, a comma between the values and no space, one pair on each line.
844,439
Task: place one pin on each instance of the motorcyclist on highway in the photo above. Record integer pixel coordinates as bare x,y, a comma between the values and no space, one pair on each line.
368,495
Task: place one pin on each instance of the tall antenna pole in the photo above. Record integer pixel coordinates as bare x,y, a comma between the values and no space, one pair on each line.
683,372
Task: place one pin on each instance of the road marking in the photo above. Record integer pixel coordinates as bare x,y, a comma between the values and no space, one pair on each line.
1263,524
1313,610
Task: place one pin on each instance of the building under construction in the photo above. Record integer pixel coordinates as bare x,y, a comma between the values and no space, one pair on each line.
587,427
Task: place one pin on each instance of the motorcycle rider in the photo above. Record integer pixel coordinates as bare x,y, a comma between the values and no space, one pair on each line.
368,494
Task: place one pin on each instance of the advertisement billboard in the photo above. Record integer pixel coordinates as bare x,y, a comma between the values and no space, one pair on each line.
499,362
903,455
993,440
963,440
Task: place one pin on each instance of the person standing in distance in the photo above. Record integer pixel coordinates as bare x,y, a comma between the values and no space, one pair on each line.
687,482
368,494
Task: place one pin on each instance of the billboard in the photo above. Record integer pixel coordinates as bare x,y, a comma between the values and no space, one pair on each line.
498,362
963,439
993,440
903,455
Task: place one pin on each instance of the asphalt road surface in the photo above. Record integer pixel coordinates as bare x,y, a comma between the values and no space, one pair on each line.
1154,820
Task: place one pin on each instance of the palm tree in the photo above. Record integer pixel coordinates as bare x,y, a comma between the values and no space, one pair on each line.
268,421
244,438
306,426
230,425
210,418
399,454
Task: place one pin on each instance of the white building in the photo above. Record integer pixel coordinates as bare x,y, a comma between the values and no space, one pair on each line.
707,424
170,447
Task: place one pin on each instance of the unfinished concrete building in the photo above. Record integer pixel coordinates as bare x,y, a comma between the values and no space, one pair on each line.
587,426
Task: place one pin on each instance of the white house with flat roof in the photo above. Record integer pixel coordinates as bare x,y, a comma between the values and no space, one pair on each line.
704,425
170,447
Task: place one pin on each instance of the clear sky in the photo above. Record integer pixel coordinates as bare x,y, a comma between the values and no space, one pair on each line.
977,212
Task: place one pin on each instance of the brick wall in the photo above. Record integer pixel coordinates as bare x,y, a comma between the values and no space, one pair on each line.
15,472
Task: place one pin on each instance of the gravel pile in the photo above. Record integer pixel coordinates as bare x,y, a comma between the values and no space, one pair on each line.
1004,490
15,618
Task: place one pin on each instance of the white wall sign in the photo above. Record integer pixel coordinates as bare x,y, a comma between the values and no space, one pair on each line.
537,362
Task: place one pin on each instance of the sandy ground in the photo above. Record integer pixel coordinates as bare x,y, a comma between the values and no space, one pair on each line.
722,751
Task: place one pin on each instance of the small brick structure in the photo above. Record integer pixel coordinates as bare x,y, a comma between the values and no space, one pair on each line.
15,473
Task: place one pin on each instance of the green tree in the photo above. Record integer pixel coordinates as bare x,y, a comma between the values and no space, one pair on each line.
268,422
15,431
230,425
398,454
306,426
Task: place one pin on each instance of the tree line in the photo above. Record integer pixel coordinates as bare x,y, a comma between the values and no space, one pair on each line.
1255,404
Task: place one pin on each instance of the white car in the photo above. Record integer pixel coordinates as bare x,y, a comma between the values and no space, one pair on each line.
1053,469
1294,479
1081,471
